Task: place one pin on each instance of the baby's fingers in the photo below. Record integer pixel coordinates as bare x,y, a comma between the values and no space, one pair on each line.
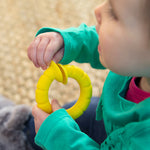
39,117
40,52
54,47
32,51
58,56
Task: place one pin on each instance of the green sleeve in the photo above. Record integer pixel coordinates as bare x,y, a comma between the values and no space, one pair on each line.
80,44
60,131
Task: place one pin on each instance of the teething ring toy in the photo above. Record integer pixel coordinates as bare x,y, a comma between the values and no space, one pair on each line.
61,73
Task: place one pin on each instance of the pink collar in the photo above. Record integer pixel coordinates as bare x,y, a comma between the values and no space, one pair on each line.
134,93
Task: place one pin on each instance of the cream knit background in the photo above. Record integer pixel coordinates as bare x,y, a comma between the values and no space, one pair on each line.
19,22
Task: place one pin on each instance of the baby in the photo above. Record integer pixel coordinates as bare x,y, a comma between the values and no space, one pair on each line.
119,42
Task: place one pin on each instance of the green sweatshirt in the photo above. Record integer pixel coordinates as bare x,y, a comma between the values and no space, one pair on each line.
127,124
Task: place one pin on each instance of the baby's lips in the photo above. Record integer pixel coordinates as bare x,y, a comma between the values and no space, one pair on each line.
99,48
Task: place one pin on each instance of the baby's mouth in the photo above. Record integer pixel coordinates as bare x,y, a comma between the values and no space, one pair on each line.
99,48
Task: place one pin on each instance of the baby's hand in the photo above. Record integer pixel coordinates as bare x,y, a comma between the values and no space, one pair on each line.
39,115
46,47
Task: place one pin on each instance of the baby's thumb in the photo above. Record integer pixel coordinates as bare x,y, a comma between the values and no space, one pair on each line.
36,112
55,105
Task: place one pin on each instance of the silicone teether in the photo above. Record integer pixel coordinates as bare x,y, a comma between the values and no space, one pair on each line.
61,73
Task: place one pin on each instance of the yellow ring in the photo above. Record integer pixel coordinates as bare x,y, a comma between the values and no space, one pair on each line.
61,73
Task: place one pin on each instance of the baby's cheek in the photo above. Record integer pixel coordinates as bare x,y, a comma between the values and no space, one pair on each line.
108,45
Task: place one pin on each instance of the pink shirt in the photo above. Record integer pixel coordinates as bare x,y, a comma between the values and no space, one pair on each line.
134,93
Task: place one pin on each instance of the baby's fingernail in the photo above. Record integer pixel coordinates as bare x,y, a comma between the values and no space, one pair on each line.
44,68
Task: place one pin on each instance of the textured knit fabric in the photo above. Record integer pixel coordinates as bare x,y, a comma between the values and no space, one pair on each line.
127,124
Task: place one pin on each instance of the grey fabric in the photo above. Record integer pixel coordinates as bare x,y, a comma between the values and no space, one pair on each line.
12,120
5,102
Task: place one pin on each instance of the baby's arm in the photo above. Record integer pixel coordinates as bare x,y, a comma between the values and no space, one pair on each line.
73,44
51,130
60,131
